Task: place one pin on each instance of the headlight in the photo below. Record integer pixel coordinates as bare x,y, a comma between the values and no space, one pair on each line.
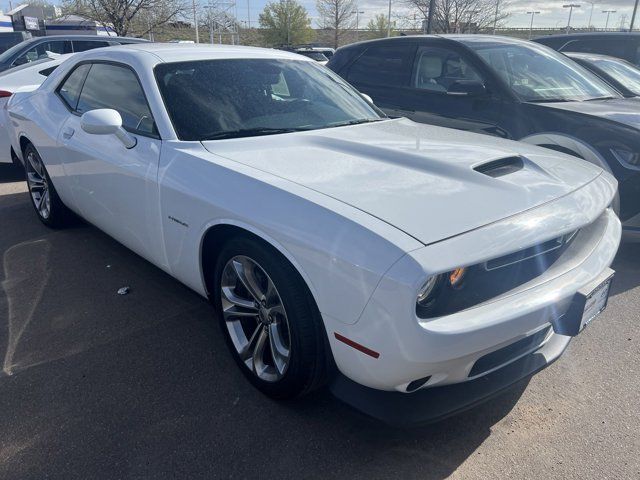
625,156
426,294
456,277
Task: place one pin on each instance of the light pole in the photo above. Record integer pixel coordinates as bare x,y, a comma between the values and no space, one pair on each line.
248,15
389,21
195,20
357,12
533,14
570,6
633,16
591,12
608,12
495,18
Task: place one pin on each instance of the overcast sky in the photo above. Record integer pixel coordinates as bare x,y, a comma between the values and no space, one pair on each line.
551,12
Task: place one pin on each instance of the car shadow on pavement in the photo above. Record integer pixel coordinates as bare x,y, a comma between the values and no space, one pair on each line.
99,385
10,173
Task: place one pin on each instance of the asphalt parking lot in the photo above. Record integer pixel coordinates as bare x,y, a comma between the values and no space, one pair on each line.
99,385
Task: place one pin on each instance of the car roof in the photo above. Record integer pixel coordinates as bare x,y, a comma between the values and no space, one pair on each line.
457,38
83,37
567,36
592,56
179,52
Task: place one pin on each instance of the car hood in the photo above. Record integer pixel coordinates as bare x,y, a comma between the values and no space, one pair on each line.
424,180
621,110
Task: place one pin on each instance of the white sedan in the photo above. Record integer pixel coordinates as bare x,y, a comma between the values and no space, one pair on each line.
390,258
23,78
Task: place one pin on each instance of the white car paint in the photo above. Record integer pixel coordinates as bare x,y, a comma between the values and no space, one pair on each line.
364,213
21,79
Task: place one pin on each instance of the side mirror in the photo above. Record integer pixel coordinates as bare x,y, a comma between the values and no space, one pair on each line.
470,88
106,121
367,97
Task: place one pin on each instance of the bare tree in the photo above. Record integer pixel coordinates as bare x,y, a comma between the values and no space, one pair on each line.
462,16
337,15
125,16
378,26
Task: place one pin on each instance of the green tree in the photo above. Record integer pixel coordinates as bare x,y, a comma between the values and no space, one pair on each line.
285,22
379,25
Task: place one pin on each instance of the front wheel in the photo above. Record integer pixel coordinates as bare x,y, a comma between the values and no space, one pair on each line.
44,198
269,319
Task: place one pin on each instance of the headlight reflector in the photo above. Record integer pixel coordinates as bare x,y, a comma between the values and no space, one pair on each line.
425,294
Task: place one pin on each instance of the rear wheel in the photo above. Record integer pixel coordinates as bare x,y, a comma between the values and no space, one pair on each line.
44,198
269,319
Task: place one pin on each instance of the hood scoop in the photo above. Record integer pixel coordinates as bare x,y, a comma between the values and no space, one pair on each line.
501,167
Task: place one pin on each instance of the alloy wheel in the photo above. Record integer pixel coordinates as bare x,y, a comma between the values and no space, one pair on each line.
38,185
256,319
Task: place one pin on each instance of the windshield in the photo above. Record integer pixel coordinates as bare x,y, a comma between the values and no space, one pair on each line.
229,98
7,56
538,74
19,68
621,71
317,56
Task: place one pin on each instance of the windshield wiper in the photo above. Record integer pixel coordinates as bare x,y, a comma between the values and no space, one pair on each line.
549,100
599,98
354,122
250,132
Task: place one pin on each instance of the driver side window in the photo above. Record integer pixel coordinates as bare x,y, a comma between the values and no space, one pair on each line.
436,69
117,87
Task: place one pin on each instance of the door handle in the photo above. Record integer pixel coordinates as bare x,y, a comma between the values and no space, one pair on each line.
68,133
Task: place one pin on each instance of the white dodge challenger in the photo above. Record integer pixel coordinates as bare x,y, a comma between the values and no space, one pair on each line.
400,262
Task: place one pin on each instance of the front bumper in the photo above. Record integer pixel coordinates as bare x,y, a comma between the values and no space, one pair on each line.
434,404
446,349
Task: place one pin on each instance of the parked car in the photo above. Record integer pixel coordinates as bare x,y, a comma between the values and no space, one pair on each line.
335,244
23,78
313,55
9,39
618,73
40,47
508,88
625,45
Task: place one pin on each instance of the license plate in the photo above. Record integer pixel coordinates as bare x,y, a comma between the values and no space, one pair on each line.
595,303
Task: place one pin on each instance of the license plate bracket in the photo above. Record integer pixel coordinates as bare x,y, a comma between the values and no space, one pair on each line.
587,304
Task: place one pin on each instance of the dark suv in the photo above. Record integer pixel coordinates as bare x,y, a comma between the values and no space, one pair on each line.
36,48
625,45
505,87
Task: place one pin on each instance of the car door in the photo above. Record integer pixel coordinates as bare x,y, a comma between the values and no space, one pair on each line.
450,90
115,187
384,72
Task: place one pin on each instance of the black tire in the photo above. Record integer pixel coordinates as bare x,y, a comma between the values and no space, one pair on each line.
57,215
307,367
16,161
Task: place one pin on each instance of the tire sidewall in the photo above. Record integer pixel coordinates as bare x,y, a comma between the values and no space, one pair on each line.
305,346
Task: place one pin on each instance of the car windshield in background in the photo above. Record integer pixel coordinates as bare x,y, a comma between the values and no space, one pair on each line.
620,71
7,55
215,99
317,56
538,74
